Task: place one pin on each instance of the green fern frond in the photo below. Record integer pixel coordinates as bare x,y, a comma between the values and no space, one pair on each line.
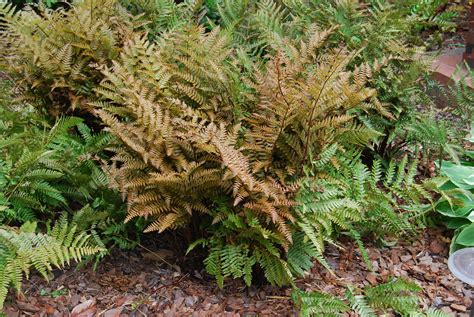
318,304
359,304
22,248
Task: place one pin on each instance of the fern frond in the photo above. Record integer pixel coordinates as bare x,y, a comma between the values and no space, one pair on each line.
22,248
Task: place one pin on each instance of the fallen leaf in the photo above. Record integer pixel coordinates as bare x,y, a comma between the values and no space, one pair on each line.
190,300
50,310
179,301
447,310
28,307
84,309
395,258
75,299
406,258
12,313
115,312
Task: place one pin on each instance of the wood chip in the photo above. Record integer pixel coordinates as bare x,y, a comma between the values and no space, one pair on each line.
372,278
457,307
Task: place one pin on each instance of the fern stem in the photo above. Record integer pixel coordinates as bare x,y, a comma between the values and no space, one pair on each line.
282,126
333,69
440,160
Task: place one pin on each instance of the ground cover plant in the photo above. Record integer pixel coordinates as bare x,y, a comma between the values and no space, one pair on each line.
49,174
457,204
257,131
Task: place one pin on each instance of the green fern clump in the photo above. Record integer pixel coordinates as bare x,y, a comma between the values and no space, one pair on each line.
23,248
341,194
398,296
431,14
253,248
43,169
318,304
28,173
463,95
48,169
161,16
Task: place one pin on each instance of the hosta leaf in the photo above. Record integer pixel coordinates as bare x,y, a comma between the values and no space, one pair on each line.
460,175
466,236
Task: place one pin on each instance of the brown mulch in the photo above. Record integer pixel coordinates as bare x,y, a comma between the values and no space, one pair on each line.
134,284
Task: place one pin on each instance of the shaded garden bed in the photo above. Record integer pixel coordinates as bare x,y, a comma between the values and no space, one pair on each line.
135,284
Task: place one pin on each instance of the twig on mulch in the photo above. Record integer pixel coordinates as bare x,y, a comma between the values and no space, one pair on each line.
174,283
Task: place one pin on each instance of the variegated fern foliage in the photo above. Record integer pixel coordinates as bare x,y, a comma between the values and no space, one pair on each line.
382,28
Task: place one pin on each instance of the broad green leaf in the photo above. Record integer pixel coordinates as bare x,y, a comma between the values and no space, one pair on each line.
466,236
454,223
470,154
460,175
464,205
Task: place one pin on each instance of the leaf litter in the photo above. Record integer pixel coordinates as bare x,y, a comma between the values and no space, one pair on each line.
136,284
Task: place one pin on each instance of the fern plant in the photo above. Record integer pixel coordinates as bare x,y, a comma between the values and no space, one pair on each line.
435,138
462,93
341,194
53,54
23,248
318,304
216,109
161,16
64,173
252,248
431,14
46,169
377,28
29,174
398,296
186,147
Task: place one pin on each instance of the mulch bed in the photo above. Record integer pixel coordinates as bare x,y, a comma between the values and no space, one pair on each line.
135,284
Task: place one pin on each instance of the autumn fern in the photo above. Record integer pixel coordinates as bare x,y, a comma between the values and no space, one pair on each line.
53,54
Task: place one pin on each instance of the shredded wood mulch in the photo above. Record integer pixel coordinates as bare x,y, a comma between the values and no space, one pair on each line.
136,284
